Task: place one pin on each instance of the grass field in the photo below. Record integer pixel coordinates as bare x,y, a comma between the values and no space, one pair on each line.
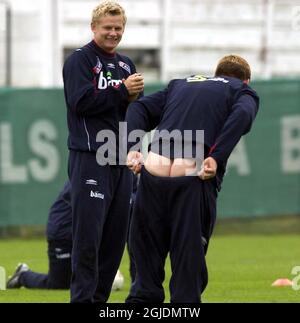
241,269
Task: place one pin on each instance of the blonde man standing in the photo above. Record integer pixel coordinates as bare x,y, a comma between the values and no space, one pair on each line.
99,84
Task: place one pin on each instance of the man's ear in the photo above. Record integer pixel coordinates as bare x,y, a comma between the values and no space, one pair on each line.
246,81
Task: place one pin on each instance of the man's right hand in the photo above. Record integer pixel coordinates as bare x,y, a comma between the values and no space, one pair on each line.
134,84
134,162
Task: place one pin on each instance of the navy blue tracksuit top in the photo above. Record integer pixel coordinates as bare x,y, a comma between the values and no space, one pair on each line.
95,95
224,107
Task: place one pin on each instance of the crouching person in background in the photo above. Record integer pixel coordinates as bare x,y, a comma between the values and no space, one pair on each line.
59,238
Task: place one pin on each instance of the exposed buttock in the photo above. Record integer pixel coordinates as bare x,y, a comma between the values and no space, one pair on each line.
158,165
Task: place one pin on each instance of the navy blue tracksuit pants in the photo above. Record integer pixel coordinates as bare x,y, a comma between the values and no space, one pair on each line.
100,199
175,215
59,274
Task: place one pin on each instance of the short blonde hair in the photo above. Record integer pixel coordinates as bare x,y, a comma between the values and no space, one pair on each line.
108,8
234,66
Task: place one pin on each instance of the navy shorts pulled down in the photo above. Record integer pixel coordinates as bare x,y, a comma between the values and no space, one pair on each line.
175,215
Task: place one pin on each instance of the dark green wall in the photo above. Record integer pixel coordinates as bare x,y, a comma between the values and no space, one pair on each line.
263,176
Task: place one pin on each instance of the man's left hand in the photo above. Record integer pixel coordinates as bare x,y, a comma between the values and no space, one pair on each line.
208,169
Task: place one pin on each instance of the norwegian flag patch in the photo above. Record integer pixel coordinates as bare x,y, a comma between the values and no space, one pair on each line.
98,67
125,66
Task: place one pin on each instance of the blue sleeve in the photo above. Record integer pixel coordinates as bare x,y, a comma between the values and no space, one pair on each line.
82,94
133,70
238,123
145,112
